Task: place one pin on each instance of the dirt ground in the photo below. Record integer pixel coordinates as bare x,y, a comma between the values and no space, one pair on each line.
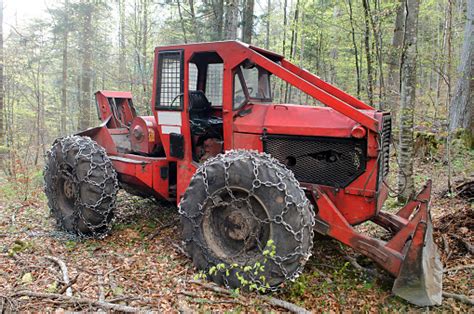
136,267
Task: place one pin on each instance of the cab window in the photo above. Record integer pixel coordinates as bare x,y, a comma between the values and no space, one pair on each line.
251,83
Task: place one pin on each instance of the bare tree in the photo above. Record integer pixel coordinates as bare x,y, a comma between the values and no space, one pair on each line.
267,24
247,23
183,24
407,100
86,67
217,22
196,28
394,57
122,58
460,111
2,133
63,110
231,19
354,43
368,53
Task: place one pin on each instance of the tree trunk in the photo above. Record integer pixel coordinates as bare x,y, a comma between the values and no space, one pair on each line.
368,54
218,21
334,52
86,68
123,73
267,24
460,111
196,28
181,20
247,25
2,133
285,22
394,58
407,101
449,40
293,43
354,43
63,111
231,19
377,31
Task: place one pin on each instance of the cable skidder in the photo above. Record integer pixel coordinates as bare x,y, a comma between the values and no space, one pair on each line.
253,178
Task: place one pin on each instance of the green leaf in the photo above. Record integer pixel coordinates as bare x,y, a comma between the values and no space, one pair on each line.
27,278
52,287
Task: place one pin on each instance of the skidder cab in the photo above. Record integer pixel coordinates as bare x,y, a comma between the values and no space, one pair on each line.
253,178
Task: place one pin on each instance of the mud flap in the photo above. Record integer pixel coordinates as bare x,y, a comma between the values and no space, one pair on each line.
420,278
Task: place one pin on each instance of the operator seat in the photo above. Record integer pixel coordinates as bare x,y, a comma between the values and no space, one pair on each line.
199,105
203,125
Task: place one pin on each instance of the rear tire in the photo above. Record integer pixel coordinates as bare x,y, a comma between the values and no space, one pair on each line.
243,209
81,186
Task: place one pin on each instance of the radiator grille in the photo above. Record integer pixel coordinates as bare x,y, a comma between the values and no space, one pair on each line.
386,138
321,160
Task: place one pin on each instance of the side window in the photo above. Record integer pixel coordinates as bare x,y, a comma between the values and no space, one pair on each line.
193,76
214,79
170,80
239,95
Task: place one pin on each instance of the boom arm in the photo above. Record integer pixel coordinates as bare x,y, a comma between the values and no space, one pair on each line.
308,83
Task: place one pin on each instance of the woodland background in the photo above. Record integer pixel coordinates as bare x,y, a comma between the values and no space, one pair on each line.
413,58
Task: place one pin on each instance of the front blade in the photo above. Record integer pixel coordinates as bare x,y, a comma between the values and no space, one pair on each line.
420,278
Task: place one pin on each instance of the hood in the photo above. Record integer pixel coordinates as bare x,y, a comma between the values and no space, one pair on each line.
291,119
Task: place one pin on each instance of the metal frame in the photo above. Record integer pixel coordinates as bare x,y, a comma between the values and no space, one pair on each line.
158,105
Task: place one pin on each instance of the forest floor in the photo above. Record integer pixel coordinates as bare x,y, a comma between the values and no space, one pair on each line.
139,267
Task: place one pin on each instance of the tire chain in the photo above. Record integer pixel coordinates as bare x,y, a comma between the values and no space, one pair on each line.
87,149
259,159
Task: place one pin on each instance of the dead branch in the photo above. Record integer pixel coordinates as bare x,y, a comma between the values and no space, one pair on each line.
459,297
69,285
123,298
284,305
130,298
194,295
100,283
457,268
161,228
469,246
7,305
211,287
180,249
112,282
63,268
447,251
270,300
100,304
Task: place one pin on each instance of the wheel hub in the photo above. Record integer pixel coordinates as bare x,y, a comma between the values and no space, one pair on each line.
233,226
68,189
238,225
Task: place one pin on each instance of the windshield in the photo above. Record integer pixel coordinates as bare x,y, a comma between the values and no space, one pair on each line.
252,83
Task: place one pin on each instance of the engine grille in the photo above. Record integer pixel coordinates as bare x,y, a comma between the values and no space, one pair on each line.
386,138
321,160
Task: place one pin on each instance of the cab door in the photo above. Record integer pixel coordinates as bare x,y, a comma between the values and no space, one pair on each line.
169,102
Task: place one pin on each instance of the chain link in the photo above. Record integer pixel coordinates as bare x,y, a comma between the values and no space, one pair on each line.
295,204
99,177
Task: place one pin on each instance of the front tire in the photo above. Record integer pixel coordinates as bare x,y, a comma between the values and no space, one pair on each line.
243,210
81,186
